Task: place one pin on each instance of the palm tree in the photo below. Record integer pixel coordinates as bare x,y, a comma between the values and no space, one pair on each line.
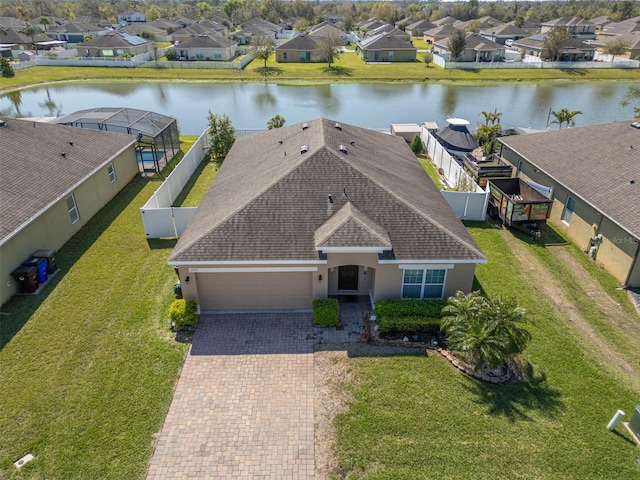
491,117
563,116
44,21
489,332
30,31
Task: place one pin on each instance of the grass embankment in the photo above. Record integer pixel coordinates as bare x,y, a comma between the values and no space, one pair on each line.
417,417
431,170
348,68
88,365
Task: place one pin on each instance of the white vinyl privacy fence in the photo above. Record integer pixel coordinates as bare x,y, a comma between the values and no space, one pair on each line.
466,197
159,217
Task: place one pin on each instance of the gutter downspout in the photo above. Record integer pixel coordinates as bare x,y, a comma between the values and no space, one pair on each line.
633,265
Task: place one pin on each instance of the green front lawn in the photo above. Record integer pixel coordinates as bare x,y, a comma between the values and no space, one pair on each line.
88,365
415,416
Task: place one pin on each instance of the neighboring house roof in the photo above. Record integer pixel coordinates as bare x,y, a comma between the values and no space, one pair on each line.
130,13
90,19
138,28
299,42
261,23
483,22
15,36
115,40
473,41
420,25
371,24
183,20
208,41
327,31
602,20
448,20
34,172
536,42
11,22
504,30
630,25
269,201
408,21
597,163
75,27
256,29
631,41
384,41
568,21
440,31
195,29
163,24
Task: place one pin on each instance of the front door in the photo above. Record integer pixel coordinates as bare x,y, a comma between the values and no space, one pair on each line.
348,277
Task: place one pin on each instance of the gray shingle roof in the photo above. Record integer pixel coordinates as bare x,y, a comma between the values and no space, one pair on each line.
349,227
384,41
300,42
269,200
207,41
595,162
113,40
34,173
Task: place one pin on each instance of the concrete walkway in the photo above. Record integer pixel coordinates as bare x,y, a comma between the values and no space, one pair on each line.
243,406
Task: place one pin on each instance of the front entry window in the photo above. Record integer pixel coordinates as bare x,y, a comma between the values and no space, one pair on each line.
423,283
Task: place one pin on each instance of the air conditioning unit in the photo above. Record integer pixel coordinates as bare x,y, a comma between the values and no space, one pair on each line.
634,422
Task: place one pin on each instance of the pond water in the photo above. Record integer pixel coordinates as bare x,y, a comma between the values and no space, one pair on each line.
250,105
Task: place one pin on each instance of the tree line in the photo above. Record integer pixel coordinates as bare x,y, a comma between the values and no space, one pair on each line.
238,11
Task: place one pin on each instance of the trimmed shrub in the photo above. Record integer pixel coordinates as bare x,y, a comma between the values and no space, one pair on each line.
183,313
409,315
326,312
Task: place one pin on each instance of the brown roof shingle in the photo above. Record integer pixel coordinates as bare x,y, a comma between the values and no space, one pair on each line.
33,172
269,199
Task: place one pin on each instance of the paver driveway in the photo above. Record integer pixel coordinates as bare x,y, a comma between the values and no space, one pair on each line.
243,406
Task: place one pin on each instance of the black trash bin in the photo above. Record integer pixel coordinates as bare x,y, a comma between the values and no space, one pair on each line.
41,265
50,255
27,278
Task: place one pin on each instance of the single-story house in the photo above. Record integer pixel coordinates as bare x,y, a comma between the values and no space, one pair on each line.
478,23
386,48
244,36
594,172
448,20
631,42
390,30
316,209
74,32
20,40
54,179
531,25
578,27
301,48
370,24
320,32
477,49
144,30
433,35
416,29
113,45
575,49
194,30
502,33
208,47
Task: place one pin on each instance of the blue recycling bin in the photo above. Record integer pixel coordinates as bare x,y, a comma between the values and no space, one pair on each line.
41,264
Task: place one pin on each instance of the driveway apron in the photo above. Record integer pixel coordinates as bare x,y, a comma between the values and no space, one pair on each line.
243,406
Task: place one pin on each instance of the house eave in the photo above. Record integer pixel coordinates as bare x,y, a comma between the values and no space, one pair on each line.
432,262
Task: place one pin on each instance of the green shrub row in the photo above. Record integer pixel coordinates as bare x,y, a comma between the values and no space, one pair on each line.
326,312
183,312
421,315
409,324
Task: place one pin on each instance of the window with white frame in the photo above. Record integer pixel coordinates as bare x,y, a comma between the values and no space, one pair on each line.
567,212
112,173
72,208
423,283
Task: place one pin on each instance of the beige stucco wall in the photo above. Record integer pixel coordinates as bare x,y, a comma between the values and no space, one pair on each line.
618,247
53,228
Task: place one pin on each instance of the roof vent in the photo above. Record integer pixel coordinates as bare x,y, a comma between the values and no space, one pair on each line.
304,149
280,142
2,123
64,154
330,198
71,143
352,142
305,126
343,149
338,126
636,125
632,182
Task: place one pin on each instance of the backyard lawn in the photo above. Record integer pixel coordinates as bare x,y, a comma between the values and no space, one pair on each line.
88,365
417,417
347,68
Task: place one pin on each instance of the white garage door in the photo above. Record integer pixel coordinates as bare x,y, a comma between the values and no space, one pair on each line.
254,291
